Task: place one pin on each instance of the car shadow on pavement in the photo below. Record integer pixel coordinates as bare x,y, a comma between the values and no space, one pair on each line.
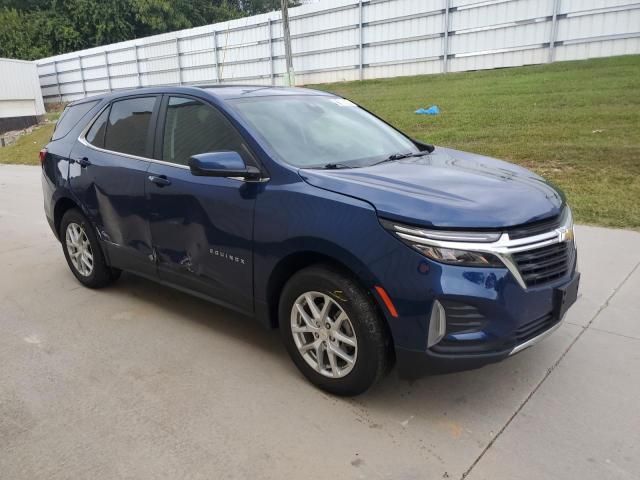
190,308
450,398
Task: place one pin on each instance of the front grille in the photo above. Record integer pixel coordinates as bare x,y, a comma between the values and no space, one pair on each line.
534,328
545,264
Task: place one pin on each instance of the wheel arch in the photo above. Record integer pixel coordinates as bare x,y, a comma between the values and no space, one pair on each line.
63,205
286,268
299,260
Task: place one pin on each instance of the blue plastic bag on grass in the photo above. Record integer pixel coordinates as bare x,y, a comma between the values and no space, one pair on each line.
432,110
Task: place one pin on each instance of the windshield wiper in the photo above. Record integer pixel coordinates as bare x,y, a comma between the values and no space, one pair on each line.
400,156
390,158
335,166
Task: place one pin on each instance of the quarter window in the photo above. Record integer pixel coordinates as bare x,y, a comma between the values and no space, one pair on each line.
128,126
191,127
95,135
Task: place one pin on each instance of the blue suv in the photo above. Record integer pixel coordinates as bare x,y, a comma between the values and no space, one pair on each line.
366,248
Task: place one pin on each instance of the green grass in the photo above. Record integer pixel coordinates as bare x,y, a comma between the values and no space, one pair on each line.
541,117
25,150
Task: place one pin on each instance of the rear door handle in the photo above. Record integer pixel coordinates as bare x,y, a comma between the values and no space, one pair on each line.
83,162
159,180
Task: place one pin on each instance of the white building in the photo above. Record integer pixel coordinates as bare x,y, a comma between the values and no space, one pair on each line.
21,102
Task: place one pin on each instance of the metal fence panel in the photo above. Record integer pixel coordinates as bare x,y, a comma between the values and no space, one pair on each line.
20,93
341,40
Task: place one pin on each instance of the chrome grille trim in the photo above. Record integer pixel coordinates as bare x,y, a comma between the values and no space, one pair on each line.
504,247
449,235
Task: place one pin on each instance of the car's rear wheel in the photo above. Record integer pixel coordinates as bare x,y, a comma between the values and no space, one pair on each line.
333,332
82,251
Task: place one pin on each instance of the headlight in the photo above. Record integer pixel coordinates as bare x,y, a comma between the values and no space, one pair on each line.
567,229
429,243
458,257
501,249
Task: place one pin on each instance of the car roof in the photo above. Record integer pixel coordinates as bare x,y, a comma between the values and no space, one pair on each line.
223,92
243,91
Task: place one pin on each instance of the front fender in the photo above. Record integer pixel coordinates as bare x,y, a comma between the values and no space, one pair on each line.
298,218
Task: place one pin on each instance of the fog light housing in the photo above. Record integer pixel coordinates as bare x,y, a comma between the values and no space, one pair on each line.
437,324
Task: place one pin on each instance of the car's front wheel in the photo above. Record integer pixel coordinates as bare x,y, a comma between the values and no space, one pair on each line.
83,252
333,332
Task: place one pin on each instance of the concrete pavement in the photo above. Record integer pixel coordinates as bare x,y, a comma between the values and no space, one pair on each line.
139,381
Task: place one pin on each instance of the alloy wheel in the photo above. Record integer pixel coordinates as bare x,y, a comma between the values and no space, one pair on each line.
323,334
79,249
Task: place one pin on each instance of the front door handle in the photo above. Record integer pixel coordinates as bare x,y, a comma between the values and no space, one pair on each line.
159,180
83,162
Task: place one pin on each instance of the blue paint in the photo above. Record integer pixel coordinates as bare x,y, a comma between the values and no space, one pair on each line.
232,241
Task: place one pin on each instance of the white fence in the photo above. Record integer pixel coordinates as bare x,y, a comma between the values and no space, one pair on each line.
341,40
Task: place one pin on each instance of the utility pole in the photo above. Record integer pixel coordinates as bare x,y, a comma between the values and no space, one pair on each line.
290,78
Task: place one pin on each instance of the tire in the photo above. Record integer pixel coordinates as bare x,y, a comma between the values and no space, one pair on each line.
364,327
76,230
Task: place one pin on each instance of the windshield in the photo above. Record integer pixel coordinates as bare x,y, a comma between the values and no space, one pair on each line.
314,131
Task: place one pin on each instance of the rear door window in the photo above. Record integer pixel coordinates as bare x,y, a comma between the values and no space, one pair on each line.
70,118
128,127
192,127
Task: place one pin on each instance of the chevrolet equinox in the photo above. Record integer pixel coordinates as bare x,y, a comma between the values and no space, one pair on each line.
366,248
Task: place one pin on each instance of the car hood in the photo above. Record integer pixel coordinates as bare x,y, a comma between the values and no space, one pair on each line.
447,188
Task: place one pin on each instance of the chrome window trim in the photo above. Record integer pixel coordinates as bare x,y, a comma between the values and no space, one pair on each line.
83,140
503,248
242,179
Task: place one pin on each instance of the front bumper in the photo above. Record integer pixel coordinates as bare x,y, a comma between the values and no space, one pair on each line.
412,364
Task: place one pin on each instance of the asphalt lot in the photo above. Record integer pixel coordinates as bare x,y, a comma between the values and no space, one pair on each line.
139,381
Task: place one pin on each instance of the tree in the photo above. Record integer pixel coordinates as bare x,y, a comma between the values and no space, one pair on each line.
32,29
24,35
25,5
254,7
160,16
92,23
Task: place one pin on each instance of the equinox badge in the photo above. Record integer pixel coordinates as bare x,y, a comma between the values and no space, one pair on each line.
228,256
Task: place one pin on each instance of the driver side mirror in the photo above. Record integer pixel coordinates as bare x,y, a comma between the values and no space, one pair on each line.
222,164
